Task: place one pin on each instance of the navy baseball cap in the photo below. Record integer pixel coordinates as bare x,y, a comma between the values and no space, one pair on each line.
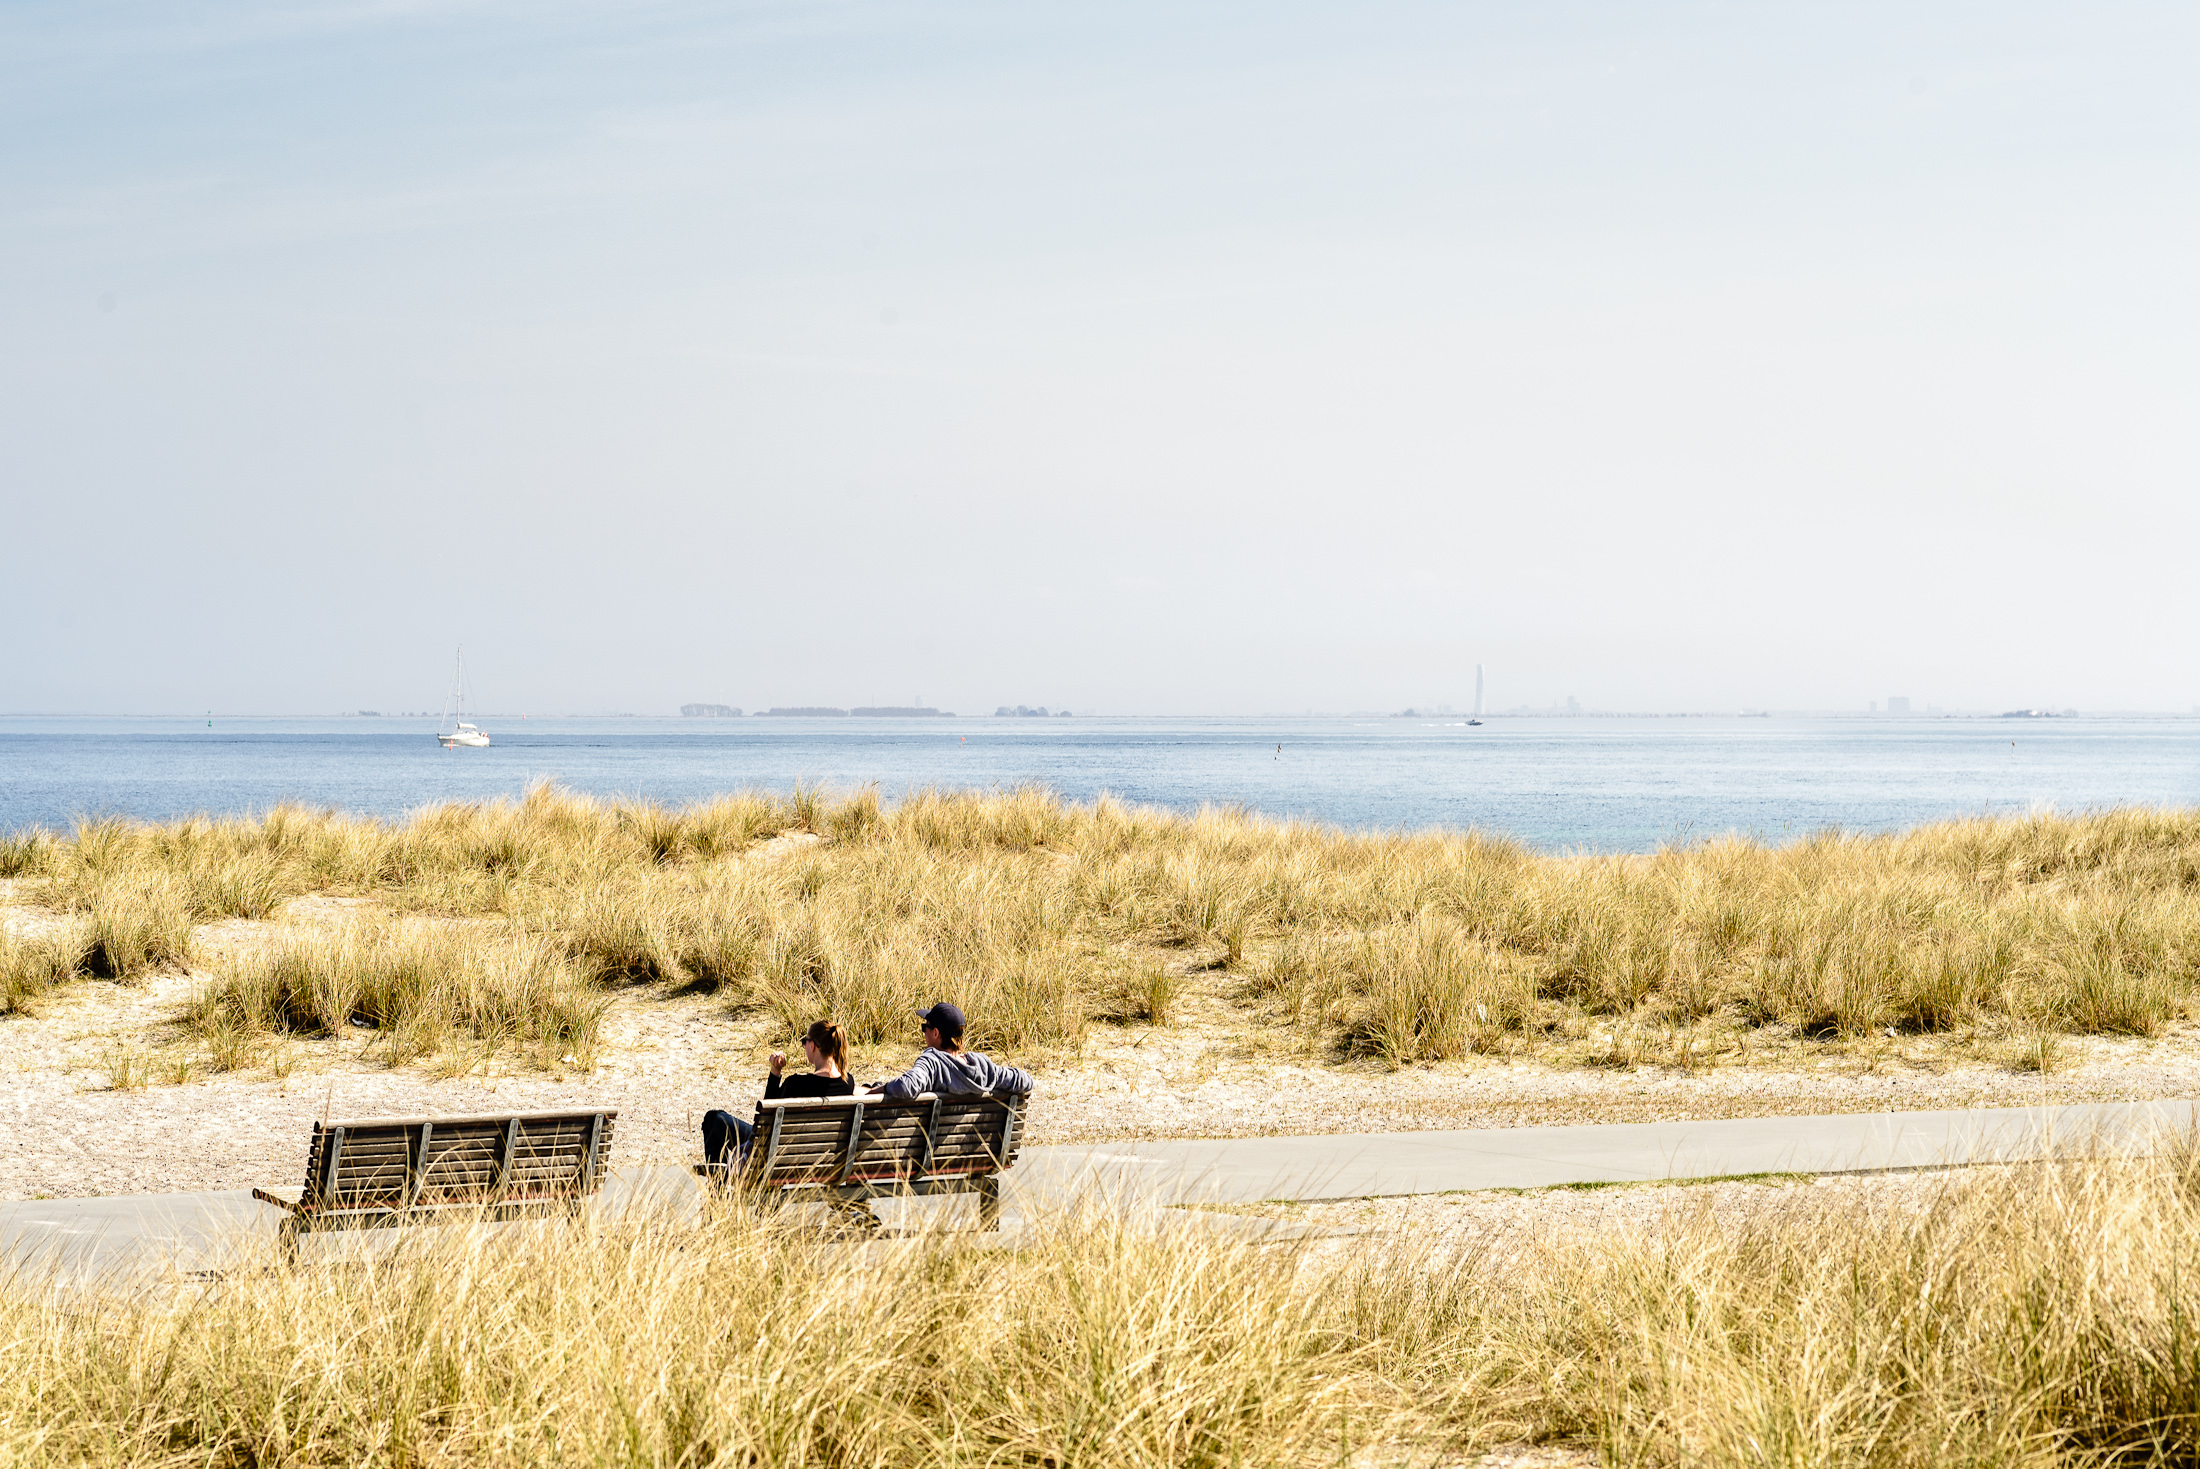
944,1018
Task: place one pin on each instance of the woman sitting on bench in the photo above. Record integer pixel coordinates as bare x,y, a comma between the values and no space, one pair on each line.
726,1138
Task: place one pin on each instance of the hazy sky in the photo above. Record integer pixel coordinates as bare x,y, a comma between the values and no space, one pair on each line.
1151,358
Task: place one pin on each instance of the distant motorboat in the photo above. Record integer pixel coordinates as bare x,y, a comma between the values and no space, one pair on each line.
461,735
1474,724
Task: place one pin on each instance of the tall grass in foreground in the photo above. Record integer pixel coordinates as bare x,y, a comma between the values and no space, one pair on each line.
2041,1317
1041,916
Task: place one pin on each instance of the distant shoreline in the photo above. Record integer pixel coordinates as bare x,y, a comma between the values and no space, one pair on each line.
1823,715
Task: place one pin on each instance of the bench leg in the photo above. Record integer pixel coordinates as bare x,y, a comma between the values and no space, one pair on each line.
989,1202
286,1239
854,1214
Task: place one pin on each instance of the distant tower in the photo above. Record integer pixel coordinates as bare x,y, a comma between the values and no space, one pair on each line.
1477,691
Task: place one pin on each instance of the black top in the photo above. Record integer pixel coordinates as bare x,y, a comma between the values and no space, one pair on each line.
807,1084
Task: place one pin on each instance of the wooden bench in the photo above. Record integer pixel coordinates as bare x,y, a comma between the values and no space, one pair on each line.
847,1151
397,1170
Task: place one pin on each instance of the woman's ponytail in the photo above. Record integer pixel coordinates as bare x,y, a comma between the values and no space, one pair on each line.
832,1044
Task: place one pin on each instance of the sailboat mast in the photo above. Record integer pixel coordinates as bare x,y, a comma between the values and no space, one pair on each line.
454,709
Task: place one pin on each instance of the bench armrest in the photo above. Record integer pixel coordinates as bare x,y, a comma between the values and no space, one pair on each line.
279,1199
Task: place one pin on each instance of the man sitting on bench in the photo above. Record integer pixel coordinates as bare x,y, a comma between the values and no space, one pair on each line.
944,1067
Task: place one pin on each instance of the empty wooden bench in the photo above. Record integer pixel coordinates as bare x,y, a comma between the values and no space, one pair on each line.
846,1151
398,1170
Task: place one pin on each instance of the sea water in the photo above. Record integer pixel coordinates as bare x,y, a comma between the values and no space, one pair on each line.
1557,784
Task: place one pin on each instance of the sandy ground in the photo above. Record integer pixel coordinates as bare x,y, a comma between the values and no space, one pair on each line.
667,1059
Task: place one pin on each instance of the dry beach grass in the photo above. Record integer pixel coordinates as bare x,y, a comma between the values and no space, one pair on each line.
2028,1316
216,983
1168,975
1046,917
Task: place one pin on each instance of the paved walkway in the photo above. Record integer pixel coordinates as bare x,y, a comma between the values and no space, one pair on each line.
1245,1170
198,1230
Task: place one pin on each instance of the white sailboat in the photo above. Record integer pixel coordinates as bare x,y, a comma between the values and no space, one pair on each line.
454,714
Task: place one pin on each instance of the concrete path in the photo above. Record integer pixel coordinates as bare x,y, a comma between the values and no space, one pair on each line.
88,1238
1246,1170
97,1236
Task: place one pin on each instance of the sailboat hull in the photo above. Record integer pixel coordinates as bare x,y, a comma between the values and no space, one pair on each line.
462,736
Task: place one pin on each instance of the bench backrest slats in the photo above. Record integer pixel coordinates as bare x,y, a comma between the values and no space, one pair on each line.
405,1163
921,1137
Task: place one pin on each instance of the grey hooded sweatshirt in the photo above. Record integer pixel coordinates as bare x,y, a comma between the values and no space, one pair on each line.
957,1073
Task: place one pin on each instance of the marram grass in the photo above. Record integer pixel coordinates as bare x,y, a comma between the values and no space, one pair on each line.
1042,916
2028,1317
422,985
